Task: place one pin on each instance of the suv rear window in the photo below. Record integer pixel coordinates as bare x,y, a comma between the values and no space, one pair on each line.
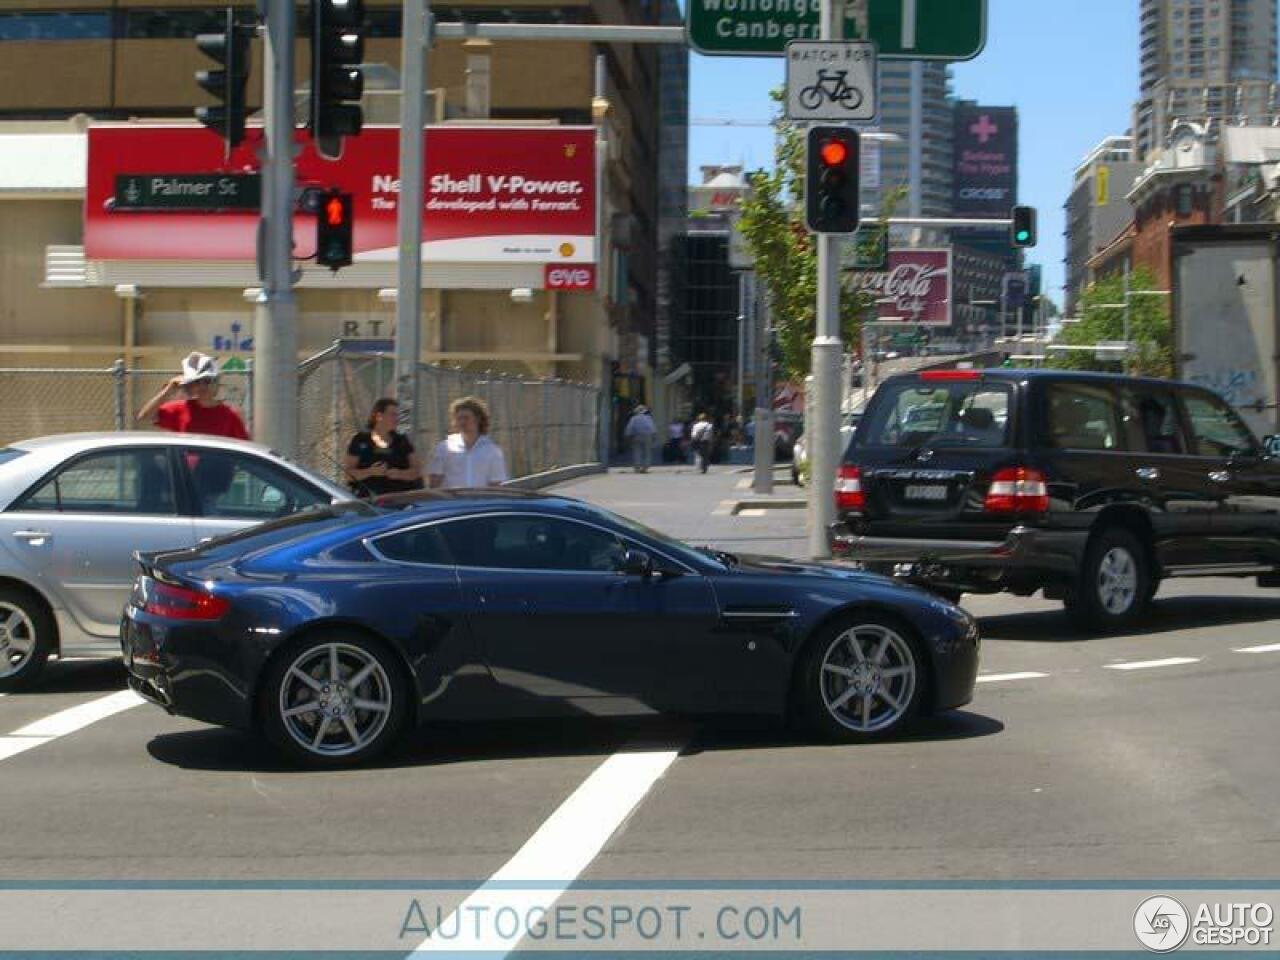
969,413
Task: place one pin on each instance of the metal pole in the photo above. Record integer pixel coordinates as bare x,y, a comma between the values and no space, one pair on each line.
275,408
825,364
762,481
1126,316
413,66
742,344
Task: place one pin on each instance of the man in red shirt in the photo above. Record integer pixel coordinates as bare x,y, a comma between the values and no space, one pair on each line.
201,411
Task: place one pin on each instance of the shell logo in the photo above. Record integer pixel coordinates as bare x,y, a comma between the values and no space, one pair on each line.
571,150
567,249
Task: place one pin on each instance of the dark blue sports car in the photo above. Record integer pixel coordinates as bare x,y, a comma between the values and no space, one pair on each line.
335,631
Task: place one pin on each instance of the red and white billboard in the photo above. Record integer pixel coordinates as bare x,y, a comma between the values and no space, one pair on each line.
569,276
916,289
491,195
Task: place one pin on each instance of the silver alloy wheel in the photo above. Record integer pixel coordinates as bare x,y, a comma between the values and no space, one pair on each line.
868,678
335,699
1117,581
17,639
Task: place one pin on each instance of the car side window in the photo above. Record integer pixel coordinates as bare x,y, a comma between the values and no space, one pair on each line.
1151,421
532,542
231,484
1216,430
1082,417
118,481
419,545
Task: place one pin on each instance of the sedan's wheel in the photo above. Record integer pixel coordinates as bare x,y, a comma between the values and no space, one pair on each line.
1115,584
26,638
862,679
335,700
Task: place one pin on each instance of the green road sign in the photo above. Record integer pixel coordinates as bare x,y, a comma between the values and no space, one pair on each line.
903,29
188,191
870,247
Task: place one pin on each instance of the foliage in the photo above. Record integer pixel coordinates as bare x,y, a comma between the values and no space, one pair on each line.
1102,319
786,257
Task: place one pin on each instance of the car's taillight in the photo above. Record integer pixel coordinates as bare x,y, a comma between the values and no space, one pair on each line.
182,603
849,492
1017,490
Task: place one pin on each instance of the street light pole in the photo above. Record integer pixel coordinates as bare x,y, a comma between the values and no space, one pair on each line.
826,356
412,159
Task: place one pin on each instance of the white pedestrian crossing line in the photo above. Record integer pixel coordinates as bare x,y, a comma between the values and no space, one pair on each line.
564,846
64,722
1001,677
1264,648
1150,664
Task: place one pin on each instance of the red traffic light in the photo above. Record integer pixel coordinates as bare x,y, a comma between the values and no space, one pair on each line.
334,212
833,153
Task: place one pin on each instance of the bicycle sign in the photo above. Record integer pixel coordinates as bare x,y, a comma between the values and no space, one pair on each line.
832,80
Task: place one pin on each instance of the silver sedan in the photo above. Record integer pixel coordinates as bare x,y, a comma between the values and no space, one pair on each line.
73,509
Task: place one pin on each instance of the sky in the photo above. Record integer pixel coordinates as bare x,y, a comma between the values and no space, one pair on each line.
1071,69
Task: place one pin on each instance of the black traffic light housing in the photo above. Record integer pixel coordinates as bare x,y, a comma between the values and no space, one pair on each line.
334,229
831,182
1023,231
337,83
228,84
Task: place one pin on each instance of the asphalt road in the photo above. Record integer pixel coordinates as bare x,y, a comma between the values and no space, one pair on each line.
1148,756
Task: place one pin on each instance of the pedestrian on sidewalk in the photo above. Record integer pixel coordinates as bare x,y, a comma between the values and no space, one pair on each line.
467,458
639,433
200,411
702,437
380,459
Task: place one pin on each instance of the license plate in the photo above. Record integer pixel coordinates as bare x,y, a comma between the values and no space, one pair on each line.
922,491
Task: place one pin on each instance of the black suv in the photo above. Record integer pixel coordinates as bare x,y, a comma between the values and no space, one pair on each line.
1091,487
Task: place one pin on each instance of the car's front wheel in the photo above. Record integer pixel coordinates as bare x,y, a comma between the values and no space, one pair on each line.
26,638
862,679
335,699
1115,582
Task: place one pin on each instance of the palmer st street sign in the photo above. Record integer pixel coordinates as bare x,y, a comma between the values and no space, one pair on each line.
902,29
188,191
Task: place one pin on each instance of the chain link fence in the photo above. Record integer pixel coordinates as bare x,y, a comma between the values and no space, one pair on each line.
539,423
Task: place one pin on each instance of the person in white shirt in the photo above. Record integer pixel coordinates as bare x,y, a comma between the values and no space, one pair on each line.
639,432
702,436
467,458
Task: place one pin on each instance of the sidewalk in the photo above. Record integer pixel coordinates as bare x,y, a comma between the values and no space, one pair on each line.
696,507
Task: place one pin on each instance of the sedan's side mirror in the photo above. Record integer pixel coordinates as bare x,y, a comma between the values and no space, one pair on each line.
637,563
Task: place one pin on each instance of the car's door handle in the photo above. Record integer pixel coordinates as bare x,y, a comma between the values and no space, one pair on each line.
1220,476
37,538
1148,473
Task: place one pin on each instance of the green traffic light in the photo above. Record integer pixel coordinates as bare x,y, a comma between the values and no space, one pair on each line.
1023,236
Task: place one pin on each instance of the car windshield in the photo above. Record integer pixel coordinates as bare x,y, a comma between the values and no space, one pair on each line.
914,413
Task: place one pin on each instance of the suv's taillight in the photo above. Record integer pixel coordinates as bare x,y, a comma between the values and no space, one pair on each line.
181,603
849,492
1017,490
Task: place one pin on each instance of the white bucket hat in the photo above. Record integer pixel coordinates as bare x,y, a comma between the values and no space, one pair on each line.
198,366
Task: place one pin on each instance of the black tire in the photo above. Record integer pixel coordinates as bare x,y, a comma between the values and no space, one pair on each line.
387,684
1115,583
27,638
820,690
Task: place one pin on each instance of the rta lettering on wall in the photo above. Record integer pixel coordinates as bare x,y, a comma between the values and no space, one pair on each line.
576,277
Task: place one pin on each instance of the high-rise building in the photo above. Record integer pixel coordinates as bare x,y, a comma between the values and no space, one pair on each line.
916,107
1098,209
1209,61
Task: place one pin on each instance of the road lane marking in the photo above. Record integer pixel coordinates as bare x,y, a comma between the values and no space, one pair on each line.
558,851
1000,677
1148,664
66,721
1265,648
753,513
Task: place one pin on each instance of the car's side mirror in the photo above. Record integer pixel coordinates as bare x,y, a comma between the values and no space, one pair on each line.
637,563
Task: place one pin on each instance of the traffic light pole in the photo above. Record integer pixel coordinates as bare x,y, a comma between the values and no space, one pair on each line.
413,65
824,418
275,369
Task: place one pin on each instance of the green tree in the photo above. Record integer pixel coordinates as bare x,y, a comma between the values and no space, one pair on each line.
786,257
1102,319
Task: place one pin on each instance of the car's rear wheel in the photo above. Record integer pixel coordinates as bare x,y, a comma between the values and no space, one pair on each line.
862,679
26,638
335,699
1114,585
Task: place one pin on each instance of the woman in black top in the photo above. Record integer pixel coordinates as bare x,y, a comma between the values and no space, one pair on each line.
381,460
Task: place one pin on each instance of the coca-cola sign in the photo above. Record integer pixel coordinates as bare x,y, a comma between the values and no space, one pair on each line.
915,290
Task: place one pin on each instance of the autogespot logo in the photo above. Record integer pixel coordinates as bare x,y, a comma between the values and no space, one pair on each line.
1161,924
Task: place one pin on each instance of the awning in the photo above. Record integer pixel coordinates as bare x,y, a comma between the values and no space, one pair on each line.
44,164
